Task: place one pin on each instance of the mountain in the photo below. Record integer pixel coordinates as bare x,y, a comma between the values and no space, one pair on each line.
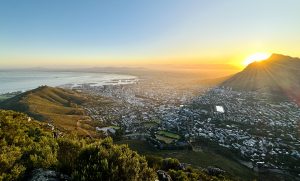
213,81
58,106
279,75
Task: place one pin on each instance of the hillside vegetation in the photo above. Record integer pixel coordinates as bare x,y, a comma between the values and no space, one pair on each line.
26,145
60,107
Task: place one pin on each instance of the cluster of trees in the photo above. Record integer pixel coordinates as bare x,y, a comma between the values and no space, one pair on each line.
26,145
181,172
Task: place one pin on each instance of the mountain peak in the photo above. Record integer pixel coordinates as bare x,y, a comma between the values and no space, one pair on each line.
284,60
61,107
280,57
276,56
279,74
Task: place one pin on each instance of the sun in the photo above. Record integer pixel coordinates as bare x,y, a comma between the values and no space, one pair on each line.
256,57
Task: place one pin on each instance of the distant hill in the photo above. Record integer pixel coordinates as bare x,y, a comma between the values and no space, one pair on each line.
55,105
278,75
214,81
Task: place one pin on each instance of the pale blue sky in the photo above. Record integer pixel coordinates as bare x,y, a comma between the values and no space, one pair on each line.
45,32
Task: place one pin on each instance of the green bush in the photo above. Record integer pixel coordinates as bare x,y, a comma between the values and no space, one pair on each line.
170,163
178,175
23,146
68,152
154,162
106,161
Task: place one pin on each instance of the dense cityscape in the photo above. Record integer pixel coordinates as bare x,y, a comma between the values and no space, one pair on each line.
262,132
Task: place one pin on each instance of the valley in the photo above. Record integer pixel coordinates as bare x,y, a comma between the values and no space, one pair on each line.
242,132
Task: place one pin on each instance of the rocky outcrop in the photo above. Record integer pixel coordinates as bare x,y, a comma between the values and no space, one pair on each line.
163,176
214,171
48,175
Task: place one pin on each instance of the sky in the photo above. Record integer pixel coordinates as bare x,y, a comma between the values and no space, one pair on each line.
60,33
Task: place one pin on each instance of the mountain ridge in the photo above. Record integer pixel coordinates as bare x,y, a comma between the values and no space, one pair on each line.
57,106
278,75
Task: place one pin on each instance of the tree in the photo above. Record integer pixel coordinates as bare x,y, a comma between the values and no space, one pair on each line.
105,161
170,163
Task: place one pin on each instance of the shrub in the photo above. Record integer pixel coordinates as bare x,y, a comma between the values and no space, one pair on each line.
23,146
105,161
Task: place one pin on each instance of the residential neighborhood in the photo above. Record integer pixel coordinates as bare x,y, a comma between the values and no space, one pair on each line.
264,132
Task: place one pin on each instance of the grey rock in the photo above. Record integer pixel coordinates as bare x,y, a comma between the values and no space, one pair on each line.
214,171
163,176
48,175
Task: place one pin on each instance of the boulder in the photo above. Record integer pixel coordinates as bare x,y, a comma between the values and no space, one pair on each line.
163,176
48,175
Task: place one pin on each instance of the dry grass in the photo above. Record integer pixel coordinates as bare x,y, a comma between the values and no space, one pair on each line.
58,106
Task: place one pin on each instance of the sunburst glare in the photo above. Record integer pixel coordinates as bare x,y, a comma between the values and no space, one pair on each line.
256,57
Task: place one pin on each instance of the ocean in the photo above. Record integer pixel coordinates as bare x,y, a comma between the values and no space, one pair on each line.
12,81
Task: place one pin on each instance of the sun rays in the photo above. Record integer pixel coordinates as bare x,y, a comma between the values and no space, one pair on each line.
256,57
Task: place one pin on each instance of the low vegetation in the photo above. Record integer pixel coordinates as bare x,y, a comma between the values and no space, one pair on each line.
26,144
169,134
202,158
164,139
60,107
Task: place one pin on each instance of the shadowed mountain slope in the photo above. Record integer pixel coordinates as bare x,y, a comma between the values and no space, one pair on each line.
279,75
